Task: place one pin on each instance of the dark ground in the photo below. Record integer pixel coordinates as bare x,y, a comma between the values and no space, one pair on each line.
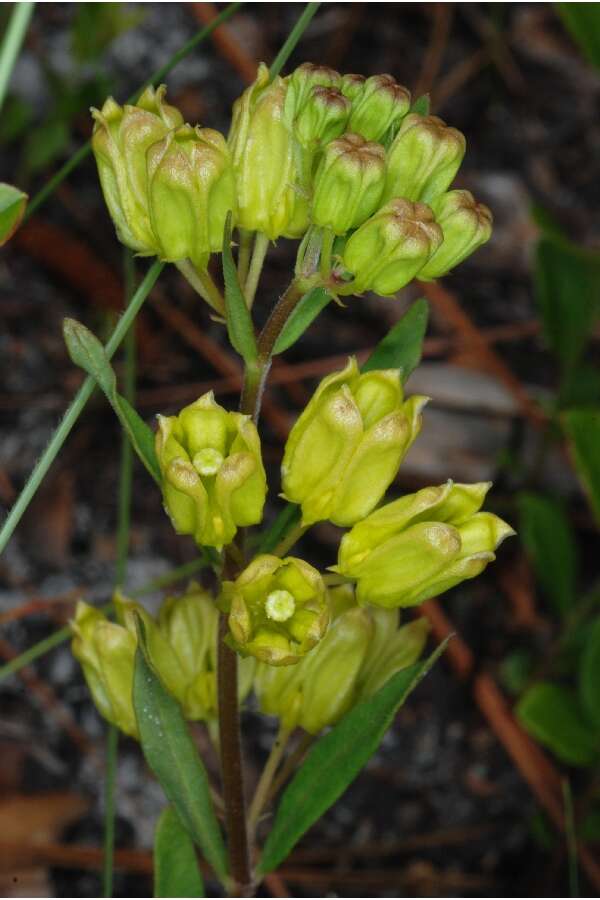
441,810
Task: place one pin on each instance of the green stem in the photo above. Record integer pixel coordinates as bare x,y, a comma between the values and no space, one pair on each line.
291,538
291,764
155,78
294,36
63,634
326,250
203,284
112,742
245,250
268,773
14,37
75,409
259,252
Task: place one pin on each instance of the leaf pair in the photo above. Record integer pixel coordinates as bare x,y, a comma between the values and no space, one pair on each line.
87,352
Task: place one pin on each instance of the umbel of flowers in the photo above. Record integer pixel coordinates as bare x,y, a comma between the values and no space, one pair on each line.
364,182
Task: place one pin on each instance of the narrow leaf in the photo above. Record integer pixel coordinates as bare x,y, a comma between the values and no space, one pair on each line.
12,209
176,870
172,755
335,761
583,21
239,321
304,314
87,352
402,347
549,713
550,543
589,675
583,430
421,105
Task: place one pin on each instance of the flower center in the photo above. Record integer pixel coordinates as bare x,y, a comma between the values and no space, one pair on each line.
280,606
208,461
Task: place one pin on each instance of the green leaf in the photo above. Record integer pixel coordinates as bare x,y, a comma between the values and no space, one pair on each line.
172,755
304,314
335,761
12,209
583,22
239,321
582,427
550,714
589,675
283,524
176,870
549,540
402,347
87,352
96,25
568,297
421,105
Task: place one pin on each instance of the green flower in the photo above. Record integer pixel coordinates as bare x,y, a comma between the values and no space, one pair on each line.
466,226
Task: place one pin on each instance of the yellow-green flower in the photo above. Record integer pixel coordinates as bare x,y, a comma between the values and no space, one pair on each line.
466,225
213,476
345,449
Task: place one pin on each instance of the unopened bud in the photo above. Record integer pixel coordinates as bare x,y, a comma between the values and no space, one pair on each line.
352,86
322,118
423,159
380,107
348,183
391,247
308,76
466,225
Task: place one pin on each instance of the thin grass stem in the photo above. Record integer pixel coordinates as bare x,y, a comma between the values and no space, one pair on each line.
293,38
13,39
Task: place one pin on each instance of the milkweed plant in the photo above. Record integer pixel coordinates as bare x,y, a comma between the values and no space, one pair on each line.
361,179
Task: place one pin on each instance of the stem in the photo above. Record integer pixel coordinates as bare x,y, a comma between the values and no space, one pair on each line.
75,409
156,77
15,34
291,764
202,284
268,773
245,249
292,537
261,246
326,249
231,764
294,36
112,741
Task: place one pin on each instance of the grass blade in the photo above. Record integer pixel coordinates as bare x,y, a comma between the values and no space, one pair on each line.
15,34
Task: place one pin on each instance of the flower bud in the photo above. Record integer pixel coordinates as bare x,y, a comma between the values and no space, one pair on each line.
322,686
352,86
308,76
322,118
381,106
348,183
277,609
423,159
391,247
191,190
106,652
213,477
270,195
121,138
466,226
189,623
345,449
421,545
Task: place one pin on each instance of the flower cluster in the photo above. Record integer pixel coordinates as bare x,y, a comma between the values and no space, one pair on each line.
342,155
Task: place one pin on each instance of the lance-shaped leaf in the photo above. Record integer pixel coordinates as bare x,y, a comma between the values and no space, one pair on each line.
550,713
335,761
402,347
172,755
583,430
176,870
12,209
306,311
239,321
87,352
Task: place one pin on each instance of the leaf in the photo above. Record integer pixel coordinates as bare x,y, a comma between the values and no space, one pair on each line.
550,543
402,347
549,713
239,321
96,25
176,870
12,209
304,314
583,22
87,352
335,761
172,755
589,675
283,524
568,297
421,105
582,427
